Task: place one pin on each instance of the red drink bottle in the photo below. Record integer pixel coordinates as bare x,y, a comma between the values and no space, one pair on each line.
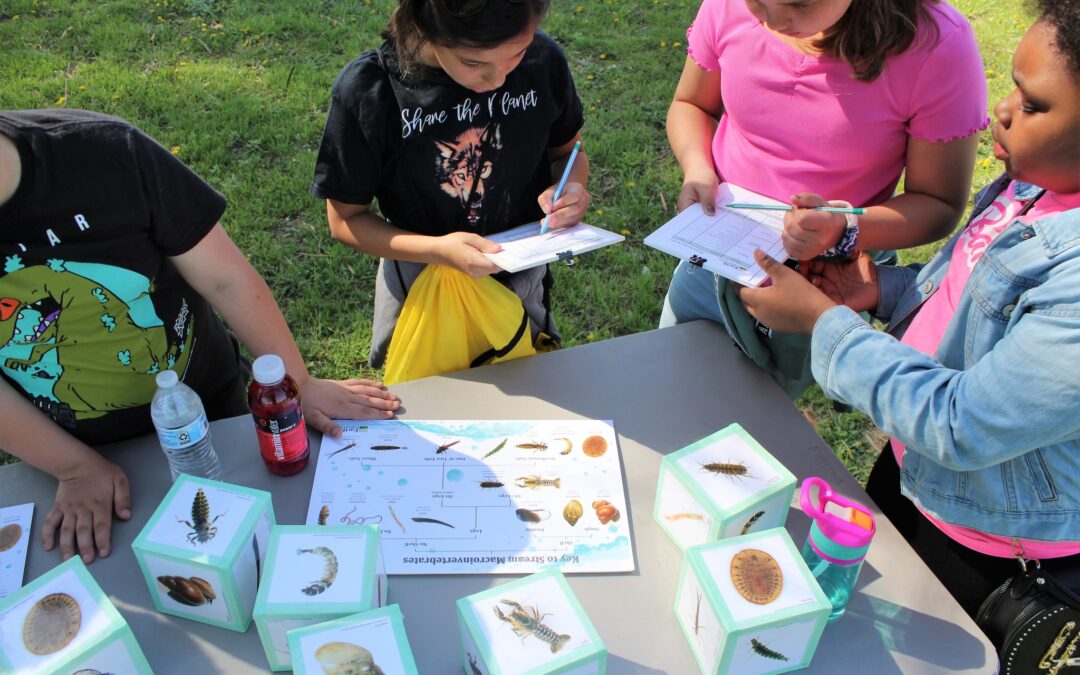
274,400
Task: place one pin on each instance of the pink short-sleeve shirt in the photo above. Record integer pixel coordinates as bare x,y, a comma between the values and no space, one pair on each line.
794,122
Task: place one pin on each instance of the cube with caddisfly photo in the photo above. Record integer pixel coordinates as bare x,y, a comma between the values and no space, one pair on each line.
313,574
723,485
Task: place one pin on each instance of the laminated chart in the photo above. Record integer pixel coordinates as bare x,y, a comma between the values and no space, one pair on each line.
479,496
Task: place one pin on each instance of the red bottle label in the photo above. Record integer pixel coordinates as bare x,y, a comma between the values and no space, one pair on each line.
282,438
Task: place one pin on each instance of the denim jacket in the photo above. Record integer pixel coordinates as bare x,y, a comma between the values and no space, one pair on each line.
992,421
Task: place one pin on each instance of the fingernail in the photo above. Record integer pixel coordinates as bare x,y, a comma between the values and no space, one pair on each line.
125,513
104,553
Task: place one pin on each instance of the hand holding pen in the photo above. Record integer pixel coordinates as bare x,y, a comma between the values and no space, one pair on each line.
811,224
562,187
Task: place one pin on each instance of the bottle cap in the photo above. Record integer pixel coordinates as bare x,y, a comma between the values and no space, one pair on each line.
842,529
167,379
268,369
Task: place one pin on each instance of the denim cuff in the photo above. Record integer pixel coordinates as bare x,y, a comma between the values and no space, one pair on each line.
832,327
892,281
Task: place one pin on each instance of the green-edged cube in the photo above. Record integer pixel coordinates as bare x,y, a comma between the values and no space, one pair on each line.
749,605
63,622
314,574
203,549
529,626
369,642
724,485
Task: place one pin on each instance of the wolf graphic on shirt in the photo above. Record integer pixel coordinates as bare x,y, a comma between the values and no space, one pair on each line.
465,166
82,339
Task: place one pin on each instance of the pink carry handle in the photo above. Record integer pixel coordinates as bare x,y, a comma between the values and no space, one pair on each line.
846,532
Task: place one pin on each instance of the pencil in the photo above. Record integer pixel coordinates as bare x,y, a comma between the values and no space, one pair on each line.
562,183
785,207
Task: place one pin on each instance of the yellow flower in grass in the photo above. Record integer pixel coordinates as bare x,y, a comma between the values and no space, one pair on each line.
175,149
60,101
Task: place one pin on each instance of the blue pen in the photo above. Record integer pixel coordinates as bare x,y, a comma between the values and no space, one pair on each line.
562,183
784,207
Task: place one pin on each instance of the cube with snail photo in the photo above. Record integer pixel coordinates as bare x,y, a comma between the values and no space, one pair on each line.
203,551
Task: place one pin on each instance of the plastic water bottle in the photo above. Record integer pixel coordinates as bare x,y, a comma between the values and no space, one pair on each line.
181,425
274,399
839,537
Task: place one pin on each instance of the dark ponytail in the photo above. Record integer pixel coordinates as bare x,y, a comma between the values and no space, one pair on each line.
415,22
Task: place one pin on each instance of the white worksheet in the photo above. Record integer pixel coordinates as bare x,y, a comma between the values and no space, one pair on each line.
479,496
525,247
724,243
15,524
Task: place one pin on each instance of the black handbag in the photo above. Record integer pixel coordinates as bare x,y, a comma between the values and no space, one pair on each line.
1034,621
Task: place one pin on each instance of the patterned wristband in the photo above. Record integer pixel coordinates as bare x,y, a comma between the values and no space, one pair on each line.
849,238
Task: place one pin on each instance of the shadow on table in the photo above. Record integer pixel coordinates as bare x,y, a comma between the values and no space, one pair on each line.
871,621
616,664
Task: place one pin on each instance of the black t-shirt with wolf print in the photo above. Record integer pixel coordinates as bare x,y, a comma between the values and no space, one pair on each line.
420,145
91,306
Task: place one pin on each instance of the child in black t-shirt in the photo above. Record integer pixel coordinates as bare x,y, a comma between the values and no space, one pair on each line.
111,263
457,125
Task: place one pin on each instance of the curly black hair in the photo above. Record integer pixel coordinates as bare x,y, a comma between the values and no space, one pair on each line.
1064,17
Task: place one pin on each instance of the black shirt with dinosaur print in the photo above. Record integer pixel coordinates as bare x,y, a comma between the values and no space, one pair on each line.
91,307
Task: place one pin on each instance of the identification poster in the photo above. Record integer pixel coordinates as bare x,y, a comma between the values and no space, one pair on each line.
477,497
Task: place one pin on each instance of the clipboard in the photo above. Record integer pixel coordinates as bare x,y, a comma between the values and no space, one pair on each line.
724,243
525,247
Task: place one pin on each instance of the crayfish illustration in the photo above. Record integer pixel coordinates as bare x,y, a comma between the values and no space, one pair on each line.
526,621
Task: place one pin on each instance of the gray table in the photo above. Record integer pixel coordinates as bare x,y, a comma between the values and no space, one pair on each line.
664,389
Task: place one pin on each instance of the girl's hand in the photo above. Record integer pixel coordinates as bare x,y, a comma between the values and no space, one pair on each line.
699,189
464,251
325,400
809,233
791,304
570,208
847,282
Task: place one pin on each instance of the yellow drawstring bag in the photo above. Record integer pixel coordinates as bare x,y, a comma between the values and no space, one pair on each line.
450,321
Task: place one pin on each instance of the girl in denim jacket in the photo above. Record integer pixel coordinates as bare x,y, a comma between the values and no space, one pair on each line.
975,378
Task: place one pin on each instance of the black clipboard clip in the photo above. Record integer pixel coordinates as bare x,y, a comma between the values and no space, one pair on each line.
567,257
696,262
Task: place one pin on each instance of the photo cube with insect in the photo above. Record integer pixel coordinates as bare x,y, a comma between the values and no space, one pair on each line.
370,642
203,550
313,574
63,622
748,605
529,626
723,485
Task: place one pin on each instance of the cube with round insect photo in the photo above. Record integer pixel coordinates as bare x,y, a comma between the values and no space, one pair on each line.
203,550
748,605
723,485
62,622
315,573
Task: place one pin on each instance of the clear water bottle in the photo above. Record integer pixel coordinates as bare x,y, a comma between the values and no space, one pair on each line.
839,538
182,428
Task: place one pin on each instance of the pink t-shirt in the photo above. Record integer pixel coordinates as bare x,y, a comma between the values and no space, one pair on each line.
795,122
933,318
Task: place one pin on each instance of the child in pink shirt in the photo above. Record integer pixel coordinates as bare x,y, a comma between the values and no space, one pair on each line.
786,100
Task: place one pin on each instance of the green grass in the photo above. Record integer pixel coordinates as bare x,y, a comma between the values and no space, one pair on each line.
239,91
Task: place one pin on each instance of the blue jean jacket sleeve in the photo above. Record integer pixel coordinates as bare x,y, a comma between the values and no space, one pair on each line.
893,281
1019,396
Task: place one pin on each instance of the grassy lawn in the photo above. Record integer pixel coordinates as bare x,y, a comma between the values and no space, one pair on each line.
239,91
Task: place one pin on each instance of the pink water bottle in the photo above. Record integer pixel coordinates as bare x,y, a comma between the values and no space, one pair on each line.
839,537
